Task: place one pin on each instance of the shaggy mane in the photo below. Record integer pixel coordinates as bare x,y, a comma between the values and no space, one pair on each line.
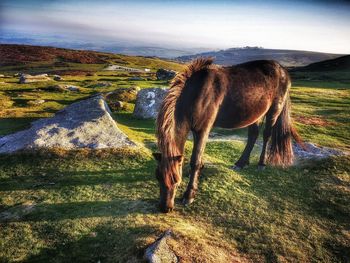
166,117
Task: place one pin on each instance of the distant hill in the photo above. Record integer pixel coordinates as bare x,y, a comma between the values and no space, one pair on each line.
337,69
337,64
14,54
27,58
288,58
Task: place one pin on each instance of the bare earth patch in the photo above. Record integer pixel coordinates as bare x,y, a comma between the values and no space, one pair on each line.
317,121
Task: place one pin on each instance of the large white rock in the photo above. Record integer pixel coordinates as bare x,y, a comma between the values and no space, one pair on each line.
83,124
148,102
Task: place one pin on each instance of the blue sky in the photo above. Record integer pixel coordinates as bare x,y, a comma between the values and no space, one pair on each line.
302,25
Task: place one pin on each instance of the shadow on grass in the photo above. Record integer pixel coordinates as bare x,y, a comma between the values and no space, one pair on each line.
105,243
10,125
255,207
119,207
54,179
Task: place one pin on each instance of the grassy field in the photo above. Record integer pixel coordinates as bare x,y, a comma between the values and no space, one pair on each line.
102,206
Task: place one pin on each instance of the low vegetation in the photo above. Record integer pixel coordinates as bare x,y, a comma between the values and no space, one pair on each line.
102,206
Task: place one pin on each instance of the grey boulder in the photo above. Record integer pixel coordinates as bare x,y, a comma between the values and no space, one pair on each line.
148,102
83,124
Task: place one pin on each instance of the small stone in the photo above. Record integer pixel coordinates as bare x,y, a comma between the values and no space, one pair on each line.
35,102
160,252
135,79
57,77
73,88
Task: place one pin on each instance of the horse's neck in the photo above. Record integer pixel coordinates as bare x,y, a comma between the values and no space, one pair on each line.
176,145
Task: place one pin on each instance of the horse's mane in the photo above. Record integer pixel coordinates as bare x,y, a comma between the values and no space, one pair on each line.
166,116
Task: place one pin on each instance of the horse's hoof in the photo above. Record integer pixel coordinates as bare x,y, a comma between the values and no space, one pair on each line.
236,168
187,202
261,167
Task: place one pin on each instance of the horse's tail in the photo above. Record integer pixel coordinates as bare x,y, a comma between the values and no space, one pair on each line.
281,149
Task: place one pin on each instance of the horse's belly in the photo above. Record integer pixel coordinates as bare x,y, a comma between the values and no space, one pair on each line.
236,115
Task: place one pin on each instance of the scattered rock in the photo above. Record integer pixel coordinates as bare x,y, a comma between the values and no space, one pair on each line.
63,88
2,76
73,88
83,124
116,105
26,78
165,74
35,102
135,78
100,85
160,252
123,94
90,74
148,102
57,77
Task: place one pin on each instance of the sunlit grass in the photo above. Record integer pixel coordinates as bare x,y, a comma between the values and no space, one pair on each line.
90,207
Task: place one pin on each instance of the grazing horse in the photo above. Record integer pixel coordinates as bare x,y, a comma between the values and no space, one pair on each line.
205,95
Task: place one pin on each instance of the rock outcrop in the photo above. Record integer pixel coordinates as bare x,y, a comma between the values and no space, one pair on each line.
165,74
148,102
26,78
83,124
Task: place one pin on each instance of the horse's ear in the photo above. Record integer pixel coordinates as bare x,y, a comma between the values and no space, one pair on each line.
157,156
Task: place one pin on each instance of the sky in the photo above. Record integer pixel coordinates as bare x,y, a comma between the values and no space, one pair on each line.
300,25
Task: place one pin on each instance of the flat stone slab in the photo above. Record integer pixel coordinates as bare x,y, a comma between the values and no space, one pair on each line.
83,124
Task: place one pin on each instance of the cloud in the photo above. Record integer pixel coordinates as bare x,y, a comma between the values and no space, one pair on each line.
220,24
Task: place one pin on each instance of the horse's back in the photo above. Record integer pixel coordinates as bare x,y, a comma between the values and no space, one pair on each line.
252,87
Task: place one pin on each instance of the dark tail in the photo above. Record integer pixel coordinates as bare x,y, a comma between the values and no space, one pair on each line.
281,150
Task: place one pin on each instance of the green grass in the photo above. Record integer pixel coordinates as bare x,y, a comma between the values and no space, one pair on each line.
90,207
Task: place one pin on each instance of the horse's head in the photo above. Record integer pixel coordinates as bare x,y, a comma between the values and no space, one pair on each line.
168,174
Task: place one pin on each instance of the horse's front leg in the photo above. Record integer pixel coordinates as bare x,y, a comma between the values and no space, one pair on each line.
199,141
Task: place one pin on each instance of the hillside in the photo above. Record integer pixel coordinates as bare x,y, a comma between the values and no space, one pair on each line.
336,70
337,64
288,58
36,59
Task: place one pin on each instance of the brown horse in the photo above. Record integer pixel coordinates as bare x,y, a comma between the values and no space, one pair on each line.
205,95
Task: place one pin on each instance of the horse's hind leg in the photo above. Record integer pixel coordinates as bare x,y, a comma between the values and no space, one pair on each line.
253,133
271,117
199,141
